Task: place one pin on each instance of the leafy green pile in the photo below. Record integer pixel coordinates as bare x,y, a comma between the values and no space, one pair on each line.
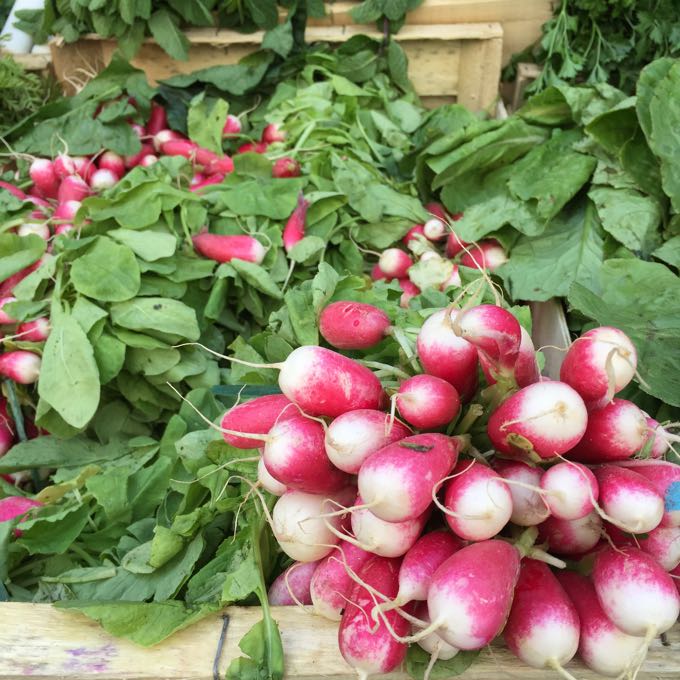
603,41
581,185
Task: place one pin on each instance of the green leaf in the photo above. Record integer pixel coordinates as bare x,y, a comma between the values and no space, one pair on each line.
397,63
260,196
646,89
205,121
19,252
69,378
418,660
669,252
306,249
157,314
109,353
164,29
54,530
149,245
279,39
108,272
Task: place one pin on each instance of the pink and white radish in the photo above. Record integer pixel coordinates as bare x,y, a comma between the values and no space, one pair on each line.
663,544
294,231
256,416
543,626
526,367
103,179
286,167
15,191
433,644
599,364
658,440
292,586
163,136
427,402
412,233
112,162
572,537
222,248
34,228
64,166
5,316
177,147
66,212
455,245
232,126
397,481
21,366
353,436
37,330
477,502
6,429
454,281
570,490
148,160
409,291
272,134
484,255
16,506
528,506
353,325
44,177
542,420
158,119
73,188
394,263
268,482
434,229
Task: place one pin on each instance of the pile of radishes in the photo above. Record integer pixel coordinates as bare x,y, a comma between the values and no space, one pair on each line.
405,534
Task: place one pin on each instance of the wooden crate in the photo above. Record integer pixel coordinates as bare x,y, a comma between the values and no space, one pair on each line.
447,63
43,642
521,19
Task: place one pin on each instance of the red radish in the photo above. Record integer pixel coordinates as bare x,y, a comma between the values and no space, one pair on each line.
352,437
205,157
659,438
430,255
103,179
63,229
111,161
571,490
435,229
7,286
396,482
232,126
158,119
179,147
253,147
294,231
331,583
629,499
34,331
18,193
205,182
378,274
267,482
301,527
6,429
412,233
223,165
5,317
636,594
455,245
454,281
353,325
388,539
572,537
478,504
21,366
528,506
433,644
663,544
602,646
545,419
66,211
286,167
526,367
485,255
438,210
163,136
294,454
292,586
134,160
599,364
675,573
37,228
40,202
16,506
395,263
226,248
543,626
84,167
445,355
73,188
148,160
64,166
470,594
371,649
427,402
615,432
257,416
272,134
139,130
44,177
410,290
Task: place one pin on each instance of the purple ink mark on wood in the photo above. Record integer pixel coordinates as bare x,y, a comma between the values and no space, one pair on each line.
92,661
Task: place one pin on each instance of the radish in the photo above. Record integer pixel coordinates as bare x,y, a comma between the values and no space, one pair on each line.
294,231
148,160
286,167
572,537
103,179
636,594
395,263
378,274
7,286
16,506
272,134
396,482
232,126
477,502
5,317
66,211
615,432
294,454
63,229
410,290
331,583
528,506
111,161
599,364
484,255
6,429
135,159
526,367
18,193
367,648
543,626
629,499
662,543
602,646
292,586
205,182
571,490
412,233
139,130
84,167
64,166
427,402
44,177
494,331
37,228
253,147
438,210
470,594
203,157
163,136
445,355
454,281
223,165
659,438
226,248
34,331
675,574
268,482
21,366
433,644
257,416
455,245
73,188
353,325
301,527
353,436
434,229
388,539
542,420
158,119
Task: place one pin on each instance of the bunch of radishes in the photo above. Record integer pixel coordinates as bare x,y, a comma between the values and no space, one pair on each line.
404,534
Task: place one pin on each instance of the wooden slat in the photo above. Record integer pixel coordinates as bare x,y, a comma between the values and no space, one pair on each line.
32,62
43,642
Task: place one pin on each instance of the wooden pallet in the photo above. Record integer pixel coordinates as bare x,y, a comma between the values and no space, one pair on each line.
43,642
458,62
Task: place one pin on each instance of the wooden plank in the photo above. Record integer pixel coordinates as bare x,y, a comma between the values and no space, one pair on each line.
43,642
31,62
480,72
